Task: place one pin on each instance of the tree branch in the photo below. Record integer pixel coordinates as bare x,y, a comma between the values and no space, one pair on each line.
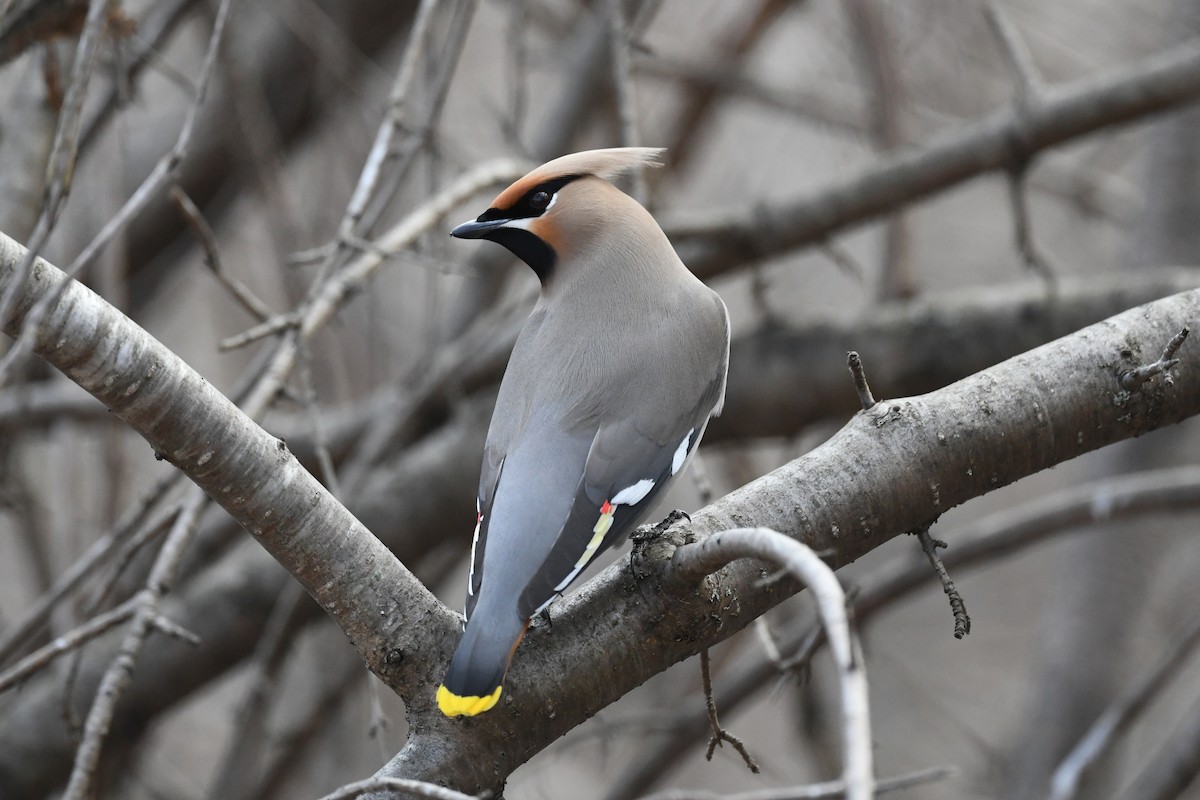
911,459
716,242
889,470
243,468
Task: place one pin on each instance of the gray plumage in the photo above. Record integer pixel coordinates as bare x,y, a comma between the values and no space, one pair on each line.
609,387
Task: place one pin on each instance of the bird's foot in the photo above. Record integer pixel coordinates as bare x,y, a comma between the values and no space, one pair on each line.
645,533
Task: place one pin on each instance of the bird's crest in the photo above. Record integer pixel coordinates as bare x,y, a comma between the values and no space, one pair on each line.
607,164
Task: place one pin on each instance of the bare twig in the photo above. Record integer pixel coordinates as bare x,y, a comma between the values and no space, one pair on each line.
962,622
1028,93
1036,261
308,395
60,167
65,644
120,671
860,380
827,110
1132,380
212,258
1017,57
1118,717
697,560
397,99
842,259
723,62
833,790
875,51
766,637
249,737
104,546
334,292
421,132
627,116
160,22
279,323
163,172
719,734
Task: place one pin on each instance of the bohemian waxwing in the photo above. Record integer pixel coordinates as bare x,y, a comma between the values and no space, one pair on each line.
608,391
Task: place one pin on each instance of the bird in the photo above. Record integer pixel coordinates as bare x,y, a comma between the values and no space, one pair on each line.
609,388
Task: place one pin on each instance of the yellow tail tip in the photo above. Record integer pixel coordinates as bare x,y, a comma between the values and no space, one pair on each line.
454,706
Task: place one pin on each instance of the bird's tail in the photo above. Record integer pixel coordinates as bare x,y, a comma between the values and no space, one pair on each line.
476,674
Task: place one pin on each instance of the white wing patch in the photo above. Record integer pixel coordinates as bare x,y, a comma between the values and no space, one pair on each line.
632,495
681,452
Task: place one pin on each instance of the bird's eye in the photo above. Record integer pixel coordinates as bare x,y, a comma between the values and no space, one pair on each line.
540,200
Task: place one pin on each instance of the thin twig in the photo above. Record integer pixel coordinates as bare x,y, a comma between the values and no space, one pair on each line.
161,20
124,555
518,74
719,734
120,670
212,258
1034,259
766,638
279,323
962,622
164,171
1016,54
860,380
174,630
726,59
249,738
397,98
1027,94
627,118
421,132
60,167
308,396
842,259
1132,380
1120,716
334,292
875,49
104,546
832,790
65,644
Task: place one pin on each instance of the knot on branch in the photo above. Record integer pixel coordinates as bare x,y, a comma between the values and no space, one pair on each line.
653,546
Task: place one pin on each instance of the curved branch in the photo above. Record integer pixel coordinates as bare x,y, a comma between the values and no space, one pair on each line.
693,562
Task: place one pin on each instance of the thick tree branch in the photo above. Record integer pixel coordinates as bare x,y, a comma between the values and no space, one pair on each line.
783,377
242,467
890,470
713,243
979,544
